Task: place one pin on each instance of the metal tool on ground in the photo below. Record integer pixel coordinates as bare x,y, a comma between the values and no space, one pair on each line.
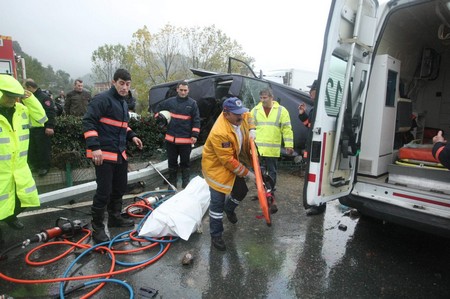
64,228
166,180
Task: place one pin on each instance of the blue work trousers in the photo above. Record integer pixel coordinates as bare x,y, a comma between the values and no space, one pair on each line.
220,203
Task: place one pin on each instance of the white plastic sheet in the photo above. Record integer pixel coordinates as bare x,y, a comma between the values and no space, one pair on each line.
180,215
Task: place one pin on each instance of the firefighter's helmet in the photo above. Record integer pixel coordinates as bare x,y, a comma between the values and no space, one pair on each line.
163,118
10,86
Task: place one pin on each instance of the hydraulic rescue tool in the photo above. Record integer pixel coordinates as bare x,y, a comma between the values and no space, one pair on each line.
64,228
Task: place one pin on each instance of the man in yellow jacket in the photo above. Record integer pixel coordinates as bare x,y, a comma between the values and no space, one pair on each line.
18,189
227,145
273,126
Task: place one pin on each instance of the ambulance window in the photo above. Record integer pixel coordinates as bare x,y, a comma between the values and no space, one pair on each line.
334,86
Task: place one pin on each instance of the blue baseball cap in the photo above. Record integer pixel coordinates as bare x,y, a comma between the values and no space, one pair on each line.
234,105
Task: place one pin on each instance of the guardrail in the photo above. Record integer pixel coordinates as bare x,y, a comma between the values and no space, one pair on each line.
147,173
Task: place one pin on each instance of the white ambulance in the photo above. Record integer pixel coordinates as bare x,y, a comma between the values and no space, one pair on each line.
384,92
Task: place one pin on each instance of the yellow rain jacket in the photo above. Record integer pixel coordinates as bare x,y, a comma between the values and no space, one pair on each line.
221,157
271,129
15,175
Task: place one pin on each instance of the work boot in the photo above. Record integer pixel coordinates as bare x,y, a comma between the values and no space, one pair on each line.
231,217
316,210
115,218
172,178
15,223
98,228
219,243
273,208
185,177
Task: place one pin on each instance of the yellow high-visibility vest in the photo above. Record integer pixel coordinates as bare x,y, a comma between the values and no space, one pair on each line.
271,130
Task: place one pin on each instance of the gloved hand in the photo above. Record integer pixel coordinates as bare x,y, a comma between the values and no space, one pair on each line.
252,134
250,176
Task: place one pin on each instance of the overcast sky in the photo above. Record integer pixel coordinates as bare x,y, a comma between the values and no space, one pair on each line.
278,34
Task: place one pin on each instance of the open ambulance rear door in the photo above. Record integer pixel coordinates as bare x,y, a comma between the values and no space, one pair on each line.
343,80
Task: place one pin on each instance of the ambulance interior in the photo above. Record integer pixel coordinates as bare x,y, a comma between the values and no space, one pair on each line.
410,87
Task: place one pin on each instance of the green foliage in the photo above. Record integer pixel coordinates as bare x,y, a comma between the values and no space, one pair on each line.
151,136
68,144
106,60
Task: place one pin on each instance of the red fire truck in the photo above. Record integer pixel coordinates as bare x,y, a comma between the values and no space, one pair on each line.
7,57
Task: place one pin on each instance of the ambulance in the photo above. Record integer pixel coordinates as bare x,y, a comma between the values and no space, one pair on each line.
384,92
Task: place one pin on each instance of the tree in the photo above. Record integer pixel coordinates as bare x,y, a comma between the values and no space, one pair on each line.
106,60
209,48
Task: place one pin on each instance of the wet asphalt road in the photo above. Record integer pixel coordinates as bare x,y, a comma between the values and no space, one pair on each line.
297,257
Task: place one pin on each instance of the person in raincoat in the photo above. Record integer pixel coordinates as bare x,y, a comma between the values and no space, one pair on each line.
18,110
225,152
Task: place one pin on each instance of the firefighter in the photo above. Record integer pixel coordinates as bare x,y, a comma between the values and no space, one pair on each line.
106,131
227,145
273,126
182,132
18,108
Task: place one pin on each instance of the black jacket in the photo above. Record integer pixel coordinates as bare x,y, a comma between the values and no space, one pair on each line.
49,107
441,152
185,119
105,125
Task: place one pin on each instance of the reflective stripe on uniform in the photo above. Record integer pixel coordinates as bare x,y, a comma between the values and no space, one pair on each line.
4,140
227,187
43,120
215,215
180,116
23,153
110,156
24,137
5,157
113,122
4,196
91,133
30,189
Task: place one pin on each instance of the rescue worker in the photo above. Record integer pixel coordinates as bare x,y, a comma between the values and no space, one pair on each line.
40,150
228,142
308,120
441,149
273,127
106,131
18,188
77,100
182,132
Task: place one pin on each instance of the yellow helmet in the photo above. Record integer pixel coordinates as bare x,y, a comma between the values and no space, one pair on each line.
10,86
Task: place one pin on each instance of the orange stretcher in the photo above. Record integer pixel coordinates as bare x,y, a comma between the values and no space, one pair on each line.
262,197
417,154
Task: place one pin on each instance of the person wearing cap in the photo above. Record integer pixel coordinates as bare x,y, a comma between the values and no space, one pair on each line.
40,150
182,132
18,109
273,126
308,119
224,156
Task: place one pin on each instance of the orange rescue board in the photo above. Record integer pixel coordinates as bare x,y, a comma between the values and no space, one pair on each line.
259,183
